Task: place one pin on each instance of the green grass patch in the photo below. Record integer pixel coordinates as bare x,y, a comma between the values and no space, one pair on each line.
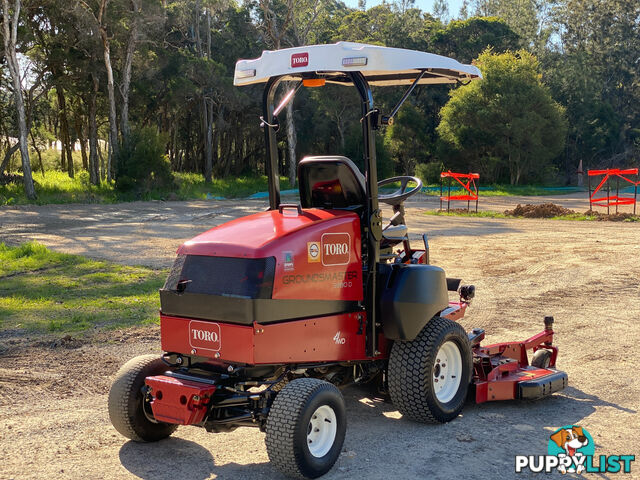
580,217
43,291
193,186
502,191
464,213
55,187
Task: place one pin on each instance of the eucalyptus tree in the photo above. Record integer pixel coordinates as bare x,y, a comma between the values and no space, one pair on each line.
10,23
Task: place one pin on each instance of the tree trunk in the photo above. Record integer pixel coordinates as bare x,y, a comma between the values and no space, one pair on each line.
94,170
81,137
126,72
292,141
7,157
113,122
64,130
340,127
208,150
10,25
109,161
35,147
196,24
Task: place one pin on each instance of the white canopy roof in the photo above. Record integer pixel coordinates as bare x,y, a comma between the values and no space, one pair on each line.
380,65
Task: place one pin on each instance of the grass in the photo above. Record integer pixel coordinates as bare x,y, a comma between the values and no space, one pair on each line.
43,291
493,214
501,190
57,187
459,213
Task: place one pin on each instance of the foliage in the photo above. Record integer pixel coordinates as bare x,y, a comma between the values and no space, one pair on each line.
464,40
45,291
182,60
429,173
57,187
143,165
406,140
506,126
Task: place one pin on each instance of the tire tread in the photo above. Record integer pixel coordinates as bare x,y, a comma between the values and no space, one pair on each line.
287,408
119,399
407,378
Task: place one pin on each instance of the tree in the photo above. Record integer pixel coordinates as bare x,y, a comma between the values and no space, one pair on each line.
505,122
10,21
595,71
526,17
464,40
98,23
406,140
441,10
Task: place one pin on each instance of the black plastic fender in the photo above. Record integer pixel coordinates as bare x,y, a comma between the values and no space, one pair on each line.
409,296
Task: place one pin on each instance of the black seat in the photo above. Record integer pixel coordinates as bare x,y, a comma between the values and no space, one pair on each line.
331,182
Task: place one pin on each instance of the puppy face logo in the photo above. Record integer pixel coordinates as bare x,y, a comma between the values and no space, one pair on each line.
571,444
570,439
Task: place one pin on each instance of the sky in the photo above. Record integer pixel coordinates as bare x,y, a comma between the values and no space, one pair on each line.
426,5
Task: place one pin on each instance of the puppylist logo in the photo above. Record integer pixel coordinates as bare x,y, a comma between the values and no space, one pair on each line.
571,450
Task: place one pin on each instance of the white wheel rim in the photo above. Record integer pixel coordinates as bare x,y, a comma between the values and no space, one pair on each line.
321,432
447,372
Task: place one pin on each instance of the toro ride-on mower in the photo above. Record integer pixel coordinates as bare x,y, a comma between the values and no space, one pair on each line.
263,317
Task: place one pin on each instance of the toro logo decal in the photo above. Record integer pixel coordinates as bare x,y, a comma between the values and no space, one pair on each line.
299,60
335,249
204,335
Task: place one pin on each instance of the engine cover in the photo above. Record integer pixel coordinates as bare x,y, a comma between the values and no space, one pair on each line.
269,267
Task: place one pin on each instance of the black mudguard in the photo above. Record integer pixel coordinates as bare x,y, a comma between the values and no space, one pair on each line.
409,296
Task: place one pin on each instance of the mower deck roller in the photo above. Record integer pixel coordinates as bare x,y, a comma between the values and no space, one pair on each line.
263,318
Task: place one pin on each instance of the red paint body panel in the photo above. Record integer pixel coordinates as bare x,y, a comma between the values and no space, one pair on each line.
505,386
236,341
179,401
495,380
323,339
318,253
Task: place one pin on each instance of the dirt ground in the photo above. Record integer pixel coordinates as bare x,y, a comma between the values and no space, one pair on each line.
53,417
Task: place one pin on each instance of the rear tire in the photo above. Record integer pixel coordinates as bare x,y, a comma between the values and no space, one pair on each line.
126,401
429,376
306,428
541,359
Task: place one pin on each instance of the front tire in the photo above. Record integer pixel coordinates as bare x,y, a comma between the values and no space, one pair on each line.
127,403
306,428
429,376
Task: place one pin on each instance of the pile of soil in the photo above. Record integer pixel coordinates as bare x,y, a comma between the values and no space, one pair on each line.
613,217
542,210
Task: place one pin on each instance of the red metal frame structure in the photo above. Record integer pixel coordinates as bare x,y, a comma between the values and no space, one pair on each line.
469,184
616,199
500,369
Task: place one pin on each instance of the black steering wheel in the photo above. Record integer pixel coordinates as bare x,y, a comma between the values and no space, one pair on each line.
400,195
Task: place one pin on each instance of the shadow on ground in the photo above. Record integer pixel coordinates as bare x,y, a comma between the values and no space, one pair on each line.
481,443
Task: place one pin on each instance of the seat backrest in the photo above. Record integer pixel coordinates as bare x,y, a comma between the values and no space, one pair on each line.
330,182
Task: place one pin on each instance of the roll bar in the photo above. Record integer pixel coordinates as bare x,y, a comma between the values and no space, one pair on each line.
373,215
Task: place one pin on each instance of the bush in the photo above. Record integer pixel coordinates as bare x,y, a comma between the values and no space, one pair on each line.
143,165
429,173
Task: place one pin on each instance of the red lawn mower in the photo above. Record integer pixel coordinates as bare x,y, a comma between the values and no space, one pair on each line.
264,317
